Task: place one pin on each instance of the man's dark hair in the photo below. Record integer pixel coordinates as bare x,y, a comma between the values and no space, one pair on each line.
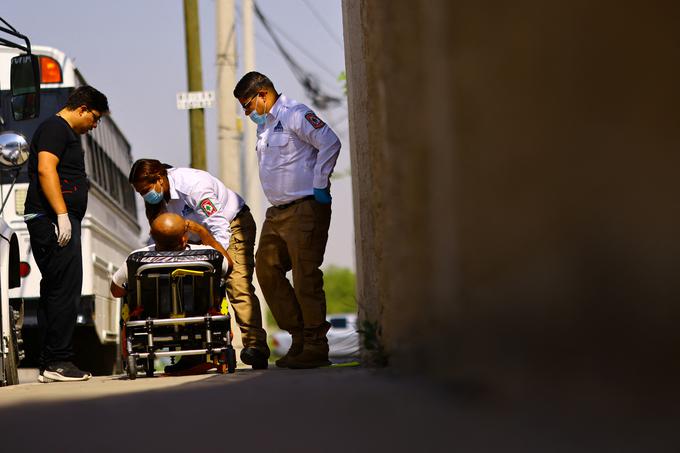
89,97
251,83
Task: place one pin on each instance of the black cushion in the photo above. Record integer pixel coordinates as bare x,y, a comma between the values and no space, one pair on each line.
156,293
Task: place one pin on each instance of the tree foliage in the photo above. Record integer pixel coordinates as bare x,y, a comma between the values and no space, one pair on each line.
339,283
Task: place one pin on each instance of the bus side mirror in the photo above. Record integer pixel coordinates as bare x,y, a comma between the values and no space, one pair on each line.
25,87
13,149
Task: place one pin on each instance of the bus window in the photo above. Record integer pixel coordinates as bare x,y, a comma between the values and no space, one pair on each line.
25,87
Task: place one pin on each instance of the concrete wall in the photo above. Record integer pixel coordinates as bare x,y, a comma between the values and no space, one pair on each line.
515,170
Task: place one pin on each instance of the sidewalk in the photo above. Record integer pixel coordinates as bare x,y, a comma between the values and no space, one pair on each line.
343,409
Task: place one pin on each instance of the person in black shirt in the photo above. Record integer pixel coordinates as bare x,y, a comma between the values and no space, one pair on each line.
55,205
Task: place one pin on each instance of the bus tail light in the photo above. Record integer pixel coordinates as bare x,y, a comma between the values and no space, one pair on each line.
50,71
24,269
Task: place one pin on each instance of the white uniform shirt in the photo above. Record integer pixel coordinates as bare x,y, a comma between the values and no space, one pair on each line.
296,152
199,196
120,278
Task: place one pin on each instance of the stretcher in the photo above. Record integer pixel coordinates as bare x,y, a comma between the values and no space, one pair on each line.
175,307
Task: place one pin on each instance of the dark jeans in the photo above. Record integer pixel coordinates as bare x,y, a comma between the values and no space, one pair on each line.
60,288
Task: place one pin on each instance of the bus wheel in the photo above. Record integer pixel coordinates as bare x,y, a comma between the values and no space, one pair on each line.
11,362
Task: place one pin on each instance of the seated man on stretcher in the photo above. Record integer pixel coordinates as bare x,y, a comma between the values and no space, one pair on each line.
170,233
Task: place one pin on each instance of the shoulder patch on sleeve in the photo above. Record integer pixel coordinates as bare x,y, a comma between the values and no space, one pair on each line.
208,207
314,120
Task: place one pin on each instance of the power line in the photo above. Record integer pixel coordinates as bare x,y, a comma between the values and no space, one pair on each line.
304,51
268,44
324,25
308,81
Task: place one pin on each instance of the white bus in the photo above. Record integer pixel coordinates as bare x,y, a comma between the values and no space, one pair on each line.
110,228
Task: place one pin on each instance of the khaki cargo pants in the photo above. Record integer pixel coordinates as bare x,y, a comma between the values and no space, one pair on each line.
240,287
294,238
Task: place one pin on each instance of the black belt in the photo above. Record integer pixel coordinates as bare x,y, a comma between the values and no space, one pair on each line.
242,211
299,200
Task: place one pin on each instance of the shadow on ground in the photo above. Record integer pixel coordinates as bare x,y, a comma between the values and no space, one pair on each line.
326,410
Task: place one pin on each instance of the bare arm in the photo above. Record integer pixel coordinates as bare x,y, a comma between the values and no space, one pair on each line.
208,239
49,181
117,291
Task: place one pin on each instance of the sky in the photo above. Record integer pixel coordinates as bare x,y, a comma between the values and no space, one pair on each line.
133,51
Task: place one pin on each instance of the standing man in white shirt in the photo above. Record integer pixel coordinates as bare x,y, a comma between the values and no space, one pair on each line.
296,152
221,219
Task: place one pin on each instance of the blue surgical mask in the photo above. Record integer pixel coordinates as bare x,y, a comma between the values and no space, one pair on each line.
256,117
153,197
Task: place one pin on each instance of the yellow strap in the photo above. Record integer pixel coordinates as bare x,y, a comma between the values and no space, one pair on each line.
183,272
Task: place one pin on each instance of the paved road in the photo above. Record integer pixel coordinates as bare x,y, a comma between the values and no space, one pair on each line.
343,409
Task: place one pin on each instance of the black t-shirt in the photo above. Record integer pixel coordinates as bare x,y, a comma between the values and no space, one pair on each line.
55,136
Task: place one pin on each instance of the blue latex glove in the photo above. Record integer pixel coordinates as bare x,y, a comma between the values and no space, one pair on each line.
323,196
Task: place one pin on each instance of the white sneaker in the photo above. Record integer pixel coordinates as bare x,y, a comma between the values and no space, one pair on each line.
42,378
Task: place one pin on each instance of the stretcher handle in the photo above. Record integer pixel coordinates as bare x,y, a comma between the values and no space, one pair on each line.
184,272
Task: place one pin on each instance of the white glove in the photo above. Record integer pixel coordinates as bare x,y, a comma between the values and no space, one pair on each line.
64,225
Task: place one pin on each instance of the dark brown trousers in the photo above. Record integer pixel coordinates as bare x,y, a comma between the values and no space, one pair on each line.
294,238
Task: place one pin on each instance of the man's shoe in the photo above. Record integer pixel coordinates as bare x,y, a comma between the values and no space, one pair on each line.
312,356
63,372
255,358
42,378
295,349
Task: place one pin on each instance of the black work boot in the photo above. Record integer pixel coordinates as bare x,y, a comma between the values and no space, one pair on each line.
313,355
255,358
295,349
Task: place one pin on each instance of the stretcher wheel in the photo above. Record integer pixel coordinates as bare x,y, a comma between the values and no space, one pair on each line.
150,367
231,360
131,367
220,362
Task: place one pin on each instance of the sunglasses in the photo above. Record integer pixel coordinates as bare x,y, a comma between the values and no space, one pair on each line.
245,106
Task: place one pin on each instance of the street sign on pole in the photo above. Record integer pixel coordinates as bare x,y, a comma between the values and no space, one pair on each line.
195,100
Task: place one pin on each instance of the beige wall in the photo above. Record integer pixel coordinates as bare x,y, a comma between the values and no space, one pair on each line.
515,170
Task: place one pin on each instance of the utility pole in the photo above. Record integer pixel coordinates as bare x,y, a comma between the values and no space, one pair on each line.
228,139
252,175
195,78
254,194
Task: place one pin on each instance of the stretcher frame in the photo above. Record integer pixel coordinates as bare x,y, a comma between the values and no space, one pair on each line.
144,338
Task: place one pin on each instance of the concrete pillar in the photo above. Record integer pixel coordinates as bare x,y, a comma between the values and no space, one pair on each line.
515,193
